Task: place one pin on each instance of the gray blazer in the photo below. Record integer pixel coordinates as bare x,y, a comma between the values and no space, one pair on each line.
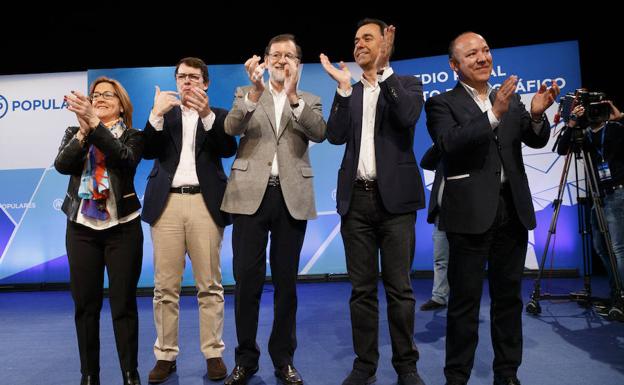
259,142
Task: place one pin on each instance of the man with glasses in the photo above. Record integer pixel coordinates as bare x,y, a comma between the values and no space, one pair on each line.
270,190
185,136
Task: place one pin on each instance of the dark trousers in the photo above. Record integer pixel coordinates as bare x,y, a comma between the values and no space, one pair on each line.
366,229
503,247
249,243
120,250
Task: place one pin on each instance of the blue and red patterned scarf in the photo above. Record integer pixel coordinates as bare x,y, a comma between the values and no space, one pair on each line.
94,184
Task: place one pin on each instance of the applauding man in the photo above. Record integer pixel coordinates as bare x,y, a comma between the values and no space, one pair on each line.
270,191
379,191
486,208
184,192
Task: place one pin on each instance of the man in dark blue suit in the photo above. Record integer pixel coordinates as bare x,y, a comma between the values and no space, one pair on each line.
486,208
379,191
185,136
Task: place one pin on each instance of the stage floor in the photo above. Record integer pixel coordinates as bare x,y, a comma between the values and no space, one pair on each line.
567,344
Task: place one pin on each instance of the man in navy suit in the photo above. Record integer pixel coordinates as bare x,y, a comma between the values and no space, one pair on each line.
379,191
182,203
486,208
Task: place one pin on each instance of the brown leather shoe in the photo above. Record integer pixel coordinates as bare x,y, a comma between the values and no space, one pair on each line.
216,368
162,370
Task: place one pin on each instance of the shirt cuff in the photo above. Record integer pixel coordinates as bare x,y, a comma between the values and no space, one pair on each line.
297,111
251,106
208,121
386,74
344,94
492,118
156,121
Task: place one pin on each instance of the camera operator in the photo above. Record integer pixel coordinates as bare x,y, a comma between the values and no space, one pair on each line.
604,141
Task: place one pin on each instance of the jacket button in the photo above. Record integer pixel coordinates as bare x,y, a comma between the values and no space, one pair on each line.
270,164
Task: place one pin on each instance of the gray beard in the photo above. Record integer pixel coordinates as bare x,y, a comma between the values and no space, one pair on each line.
277,76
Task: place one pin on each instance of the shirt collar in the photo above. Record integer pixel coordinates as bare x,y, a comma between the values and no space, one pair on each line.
186,110
273,91
368,84
473,91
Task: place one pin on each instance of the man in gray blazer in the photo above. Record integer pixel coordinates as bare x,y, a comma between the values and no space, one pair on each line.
270,190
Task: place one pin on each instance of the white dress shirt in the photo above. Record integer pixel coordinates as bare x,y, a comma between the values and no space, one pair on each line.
186,173
279,100
367,166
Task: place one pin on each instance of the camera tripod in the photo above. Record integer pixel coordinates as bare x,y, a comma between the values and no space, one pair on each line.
584,297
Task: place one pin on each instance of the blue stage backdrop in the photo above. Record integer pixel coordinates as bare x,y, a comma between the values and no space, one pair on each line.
32,228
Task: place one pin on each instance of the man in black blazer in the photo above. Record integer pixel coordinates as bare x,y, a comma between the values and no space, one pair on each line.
486,207
182,203
379,191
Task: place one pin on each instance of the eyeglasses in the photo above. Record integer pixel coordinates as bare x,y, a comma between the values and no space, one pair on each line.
191,77
107,95
275,56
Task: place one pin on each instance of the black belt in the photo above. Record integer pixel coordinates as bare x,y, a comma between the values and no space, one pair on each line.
185,190
274,180
366,184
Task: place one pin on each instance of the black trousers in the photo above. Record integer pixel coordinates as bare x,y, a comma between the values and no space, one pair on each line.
249,243
367,229
503,247
120,250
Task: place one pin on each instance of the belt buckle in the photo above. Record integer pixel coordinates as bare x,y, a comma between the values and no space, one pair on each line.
274,181
185,190
368,185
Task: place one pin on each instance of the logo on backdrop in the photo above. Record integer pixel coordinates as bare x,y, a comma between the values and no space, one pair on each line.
4,106
57,204
30,105
18,205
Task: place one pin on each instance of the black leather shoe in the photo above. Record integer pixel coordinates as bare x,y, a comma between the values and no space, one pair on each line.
131,377
289,375
500,380
410,378
432,305
358,377
240,375
89,379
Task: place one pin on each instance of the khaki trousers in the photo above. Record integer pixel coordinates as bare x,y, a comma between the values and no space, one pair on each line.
186,226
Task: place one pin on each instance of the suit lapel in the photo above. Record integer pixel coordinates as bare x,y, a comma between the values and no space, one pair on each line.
200,137
357,104
286,117
266,102
502,119
176,128
465,100
379,110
